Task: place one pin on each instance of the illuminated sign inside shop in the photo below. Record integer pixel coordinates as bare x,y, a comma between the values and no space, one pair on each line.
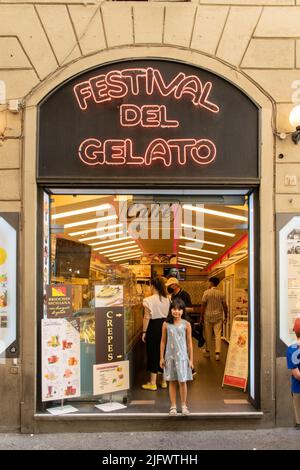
147,118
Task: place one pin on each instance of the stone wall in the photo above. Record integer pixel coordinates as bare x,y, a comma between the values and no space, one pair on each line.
257,38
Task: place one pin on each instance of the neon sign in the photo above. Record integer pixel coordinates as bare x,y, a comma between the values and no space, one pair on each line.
118,84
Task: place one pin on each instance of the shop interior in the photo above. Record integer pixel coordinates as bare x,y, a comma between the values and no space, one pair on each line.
126,240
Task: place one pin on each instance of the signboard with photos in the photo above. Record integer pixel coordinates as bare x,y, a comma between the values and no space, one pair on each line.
8,284
60,359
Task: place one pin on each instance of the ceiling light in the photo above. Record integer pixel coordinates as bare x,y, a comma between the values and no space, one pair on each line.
129,255
195,256
197,240
91,230
104,235
109,241
198,249
186,260
210,230
192,265
116,247
91,221
103,207
212,212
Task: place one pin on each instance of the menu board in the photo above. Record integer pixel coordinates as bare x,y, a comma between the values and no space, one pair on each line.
236,368
109,378
8,284
60,359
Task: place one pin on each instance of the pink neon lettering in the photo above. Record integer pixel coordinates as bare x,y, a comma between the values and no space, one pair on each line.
82,92
209,149
147,116
134,76
114,151
119,152
191,86
183,148
89,152
158,149
203,99
118,84
164,89
99,89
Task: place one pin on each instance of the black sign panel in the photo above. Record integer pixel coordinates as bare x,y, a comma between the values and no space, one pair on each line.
147,118
109,334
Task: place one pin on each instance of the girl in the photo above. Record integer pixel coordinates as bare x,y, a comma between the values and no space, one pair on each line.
176,354
156,310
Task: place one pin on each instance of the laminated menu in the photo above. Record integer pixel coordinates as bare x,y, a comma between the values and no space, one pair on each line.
60,359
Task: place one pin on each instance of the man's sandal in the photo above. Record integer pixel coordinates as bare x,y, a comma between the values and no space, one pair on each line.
173,411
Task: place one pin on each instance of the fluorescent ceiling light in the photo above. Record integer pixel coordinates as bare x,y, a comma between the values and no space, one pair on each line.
129,255
91,230
198,249
91,221
103,207
197,240
116,247
210,230
109,241
192,265
195,256
212,212
104,235
194,261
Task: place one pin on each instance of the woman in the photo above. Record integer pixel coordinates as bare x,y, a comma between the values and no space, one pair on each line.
156,310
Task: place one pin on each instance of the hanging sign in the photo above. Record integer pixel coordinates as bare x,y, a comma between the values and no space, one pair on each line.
109,317
147,118
236,368
60,359
8,285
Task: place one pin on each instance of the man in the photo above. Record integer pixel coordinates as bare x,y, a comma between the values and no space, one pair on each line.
293,363
173,287
212,307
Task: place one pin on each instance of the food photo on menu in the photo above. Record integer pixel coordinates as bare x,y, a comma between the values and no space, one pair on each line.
108,295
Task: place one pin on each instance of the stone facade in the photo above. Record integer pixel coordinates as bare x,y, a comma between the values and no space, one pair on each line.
256,41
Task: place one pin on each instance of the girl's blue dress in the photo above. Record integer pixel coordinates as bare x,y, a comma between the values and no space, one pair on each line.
176,355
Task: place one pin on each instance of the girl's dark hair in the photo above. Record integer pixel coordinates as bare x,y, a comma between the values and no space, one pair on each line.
159,285
176,303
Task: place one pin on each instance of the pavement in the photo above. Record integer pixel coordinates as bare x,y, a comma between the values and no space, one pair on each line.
257,439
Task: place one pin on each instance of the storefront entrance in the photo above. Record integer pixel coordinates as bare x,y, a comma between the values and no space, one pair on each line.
100,253
150,169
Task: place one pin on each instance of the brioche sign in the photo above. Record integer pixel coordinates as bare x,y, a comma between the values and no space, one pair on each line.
149,119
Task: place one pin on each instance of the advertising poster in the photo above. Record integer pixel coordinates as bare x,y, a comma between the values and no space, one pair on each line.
289,278
109,295
109,323
59,301
60,359
109,378
8,285
236,368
